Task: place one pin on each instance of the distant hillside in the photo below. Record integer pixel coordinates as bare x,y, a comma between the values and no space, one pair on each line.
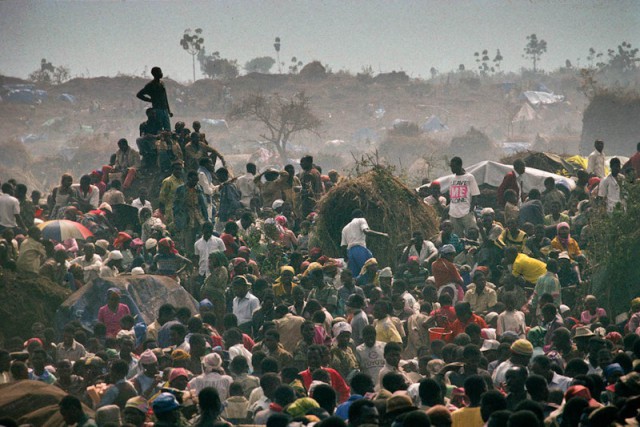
106,109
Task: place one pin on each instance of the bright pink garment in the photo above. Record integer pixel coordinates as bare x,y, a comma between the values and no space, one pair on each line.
587,318
111,319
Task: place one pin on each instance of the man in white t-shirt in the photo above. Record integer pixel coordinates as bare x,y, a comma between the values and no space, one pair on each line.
142,201
463,192
354,241
205,246
596,160
9,209
609,188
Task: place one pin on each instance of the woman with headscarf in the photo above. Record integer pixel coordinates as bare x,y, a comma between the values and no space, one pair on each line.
239,267
252,266
563,241
369,274
283,286
168,262
287,237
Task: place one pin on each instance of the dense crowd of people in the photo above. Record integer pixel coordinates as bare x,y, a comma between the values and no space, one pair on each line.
488,322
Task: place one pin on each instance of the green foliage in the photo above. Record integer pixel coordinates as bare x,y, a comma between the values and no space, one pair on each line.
216,67
534,49
262,64
482,59
295,65
50,74
192,41
613,249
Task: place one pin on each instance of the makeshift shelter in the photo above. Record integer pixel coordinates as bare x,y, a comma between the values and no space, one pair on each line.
544,161
388,205
492,173
536,98
526,113
143,294
67,97
34,403
433,124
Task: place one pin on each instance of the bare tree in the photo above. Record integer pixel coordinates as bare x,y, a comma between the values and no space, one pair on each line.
282,117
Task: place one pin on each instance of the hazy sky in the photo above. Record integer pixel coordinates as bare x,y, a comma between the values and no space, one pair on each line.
97,38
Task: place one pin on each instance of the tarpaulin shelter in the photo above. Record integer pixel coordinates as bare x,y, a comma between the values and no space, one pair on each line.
34,403
537,98
433,124
143,294
492,173
526,113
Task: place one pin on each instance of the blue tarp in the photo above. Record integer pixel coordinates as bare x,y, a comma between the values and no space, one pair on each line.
143,295
68,98
24,93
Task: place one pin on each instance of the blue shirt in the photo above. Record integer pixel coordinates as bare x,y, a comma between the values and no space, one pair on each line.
342,410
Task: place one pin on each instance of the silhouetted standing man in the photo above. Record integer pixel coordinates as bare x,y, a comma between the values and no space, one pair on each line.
155,93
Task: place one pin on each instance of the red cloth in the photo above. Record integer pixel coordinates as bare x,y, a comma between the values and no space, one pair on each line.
444,316
111,319
247,342
229,243
445,272
634,162
508,183
337,382
458,327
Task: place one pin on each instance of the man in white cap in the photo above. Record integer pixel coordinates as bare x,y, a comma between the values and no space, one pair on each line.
213,376
343,358
112,265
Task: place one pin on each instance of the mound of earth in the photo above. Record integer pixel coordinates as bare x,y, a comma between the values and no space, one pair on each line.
27,301
313,70
613,119
389,206
473,147
33,403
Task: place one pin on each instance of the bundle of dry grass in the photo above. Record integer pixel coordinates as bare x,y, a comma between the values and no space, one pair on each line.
389,206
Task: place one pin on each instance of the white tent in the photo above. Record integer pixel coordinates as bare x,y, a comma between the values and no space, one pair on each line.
433,124
492,173
525,114
536,98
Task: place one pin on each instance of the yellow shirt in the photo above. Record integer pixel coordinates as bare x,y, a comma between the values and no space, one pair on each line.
467,417
386,331
529,268
32,253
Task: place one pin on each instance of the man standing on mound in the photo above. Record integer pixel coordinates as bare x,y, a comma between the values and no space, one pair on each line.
155,93
354,240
